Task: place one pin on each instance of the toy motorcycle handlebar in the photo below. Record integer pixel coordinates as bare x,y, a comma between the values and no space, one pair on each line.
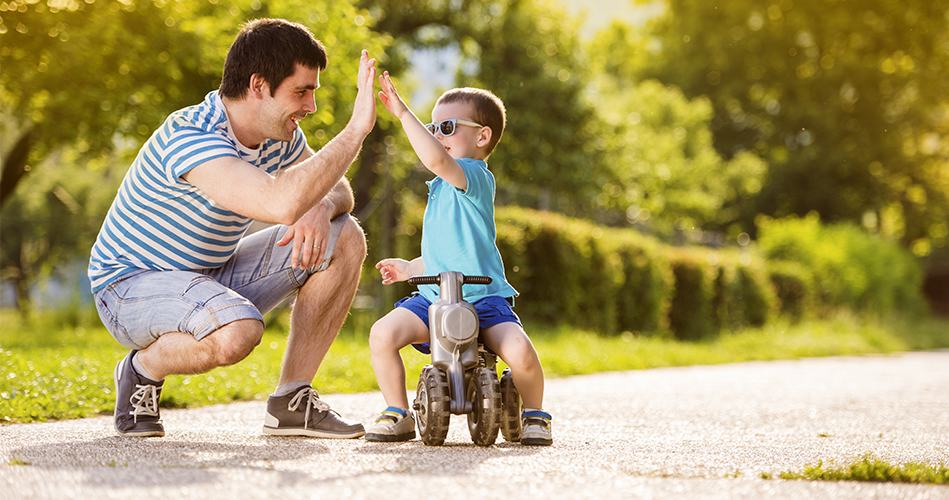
436,280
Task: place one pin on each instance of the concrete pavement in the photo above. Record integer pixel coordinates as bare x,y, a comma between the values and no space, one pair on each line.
704,432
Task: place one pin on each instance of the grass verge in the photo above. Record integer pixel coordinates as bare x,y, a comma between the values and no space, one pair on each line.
869,468
49,371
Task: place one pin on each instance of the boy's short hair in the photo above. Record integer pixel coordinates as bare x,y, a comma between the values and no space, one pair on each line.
271,48
488,110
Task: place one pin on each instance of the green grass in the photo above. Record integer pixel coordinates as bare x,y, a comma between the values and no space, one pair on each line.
50,371
869,468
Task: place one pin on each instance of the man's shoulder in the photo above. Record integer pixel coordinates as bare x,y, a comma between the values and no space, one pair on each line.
207,116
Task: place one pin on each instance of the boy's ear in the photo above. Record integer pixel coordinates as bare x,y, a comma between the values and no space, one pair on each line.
484,137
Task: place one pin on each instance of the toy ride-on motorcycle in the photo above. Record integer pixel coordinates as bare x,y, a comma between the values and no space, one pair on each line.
462,379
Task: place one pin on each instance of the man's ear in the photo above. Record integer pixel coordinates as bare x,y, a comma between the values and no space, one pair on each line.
257,86
484,136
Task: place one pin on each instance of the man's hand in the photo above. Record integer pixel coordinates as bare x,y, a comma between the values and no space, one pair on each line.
364,109
309,236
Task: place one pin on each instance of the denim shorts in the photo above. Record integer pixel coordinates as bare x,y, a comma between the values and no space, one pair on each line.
492,310
141,306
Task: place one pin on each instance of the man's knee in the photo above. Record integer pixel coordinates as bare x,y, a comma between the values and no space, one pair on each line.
235,341
352,240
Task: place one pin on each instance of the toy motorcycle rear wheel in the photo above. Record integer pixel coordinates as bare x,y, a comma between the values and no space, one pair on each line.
510,408
432,406
485,396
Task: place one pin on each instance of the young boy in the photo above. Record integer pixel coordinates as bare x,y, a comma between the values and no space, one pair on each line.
458,234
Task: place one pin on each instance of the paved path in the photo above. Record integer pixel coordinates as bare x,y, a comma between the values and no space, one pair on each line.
706,432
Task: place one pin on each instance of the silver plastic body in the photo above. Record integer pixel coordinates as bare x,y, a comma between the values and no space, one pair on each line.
453,327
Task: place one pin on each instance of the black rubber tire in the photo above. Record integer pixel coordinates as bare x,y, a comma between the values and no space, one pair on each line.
485,395
432,406
510,408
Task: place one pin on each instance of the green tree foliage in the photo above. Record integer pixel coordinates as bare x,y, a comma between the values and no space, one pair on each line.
848,267
529,53
665,173
84,83
847,101
80,80
82,73
53,219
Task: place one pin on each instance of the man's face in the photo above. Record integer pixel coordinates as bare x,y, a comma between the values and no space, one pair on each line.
293,100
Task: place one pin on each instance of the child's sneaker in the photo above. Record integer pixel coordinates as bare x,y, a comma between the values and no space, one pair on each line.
536,425
394,424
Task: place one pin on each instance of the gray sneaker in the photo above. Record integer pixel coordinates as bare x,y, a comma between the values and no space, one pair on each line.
392,425
304,414
536,426
136,402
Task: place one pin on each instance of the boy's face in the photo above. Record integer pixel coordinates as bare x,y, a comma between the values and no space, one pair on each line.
467,141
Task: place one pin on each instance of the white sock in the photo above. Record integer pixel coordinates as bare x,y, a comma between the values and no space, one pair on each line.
284,389
139,369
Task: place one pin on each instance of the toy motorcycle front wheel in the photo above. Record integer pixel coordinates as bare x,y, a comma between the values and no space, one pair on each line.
432,406
485,396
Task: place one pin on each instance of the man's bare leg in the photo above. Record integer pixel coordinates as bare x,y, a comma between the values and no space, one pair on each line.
322,305
177,353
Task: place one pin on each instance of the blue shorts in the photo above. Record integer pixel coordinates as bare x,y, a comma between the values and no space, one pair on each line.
141,306
492,310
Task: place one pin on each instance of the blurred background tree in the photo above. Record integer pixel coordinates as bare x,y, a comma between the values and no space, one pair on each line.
689,128
84,83
846,101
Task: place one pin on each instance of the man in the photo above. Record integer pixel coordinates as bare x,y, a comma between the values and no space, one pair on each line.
173,277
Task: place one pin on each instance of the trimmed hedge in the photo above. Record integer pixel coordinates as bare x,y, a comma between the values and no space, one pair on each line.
571,271
846,267
617,280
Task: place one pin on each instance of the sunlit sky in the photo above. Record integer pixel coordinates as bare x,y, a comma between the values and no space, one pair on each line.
599,13
435,69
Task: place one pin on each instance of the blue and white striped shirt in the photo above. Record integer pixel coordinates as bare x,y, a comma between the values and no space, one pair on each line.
159,221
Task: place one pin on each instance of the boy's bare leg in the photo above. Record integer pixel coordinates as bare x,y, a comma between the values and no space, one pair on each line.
322,305
511,343
391,333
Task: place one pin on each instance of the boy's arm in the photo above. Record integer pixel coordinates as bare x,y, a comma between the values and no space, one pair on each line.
429,150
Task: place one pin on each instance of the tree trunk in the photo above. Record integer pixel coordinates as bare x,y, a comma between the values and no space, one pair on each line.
15,167
366,177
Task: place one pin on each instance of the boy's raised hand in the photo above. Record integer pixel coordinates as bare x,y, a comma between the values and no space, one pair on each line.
390,96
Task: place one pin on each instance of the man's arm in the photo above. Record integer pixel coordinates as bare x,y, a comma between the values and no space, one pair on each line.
284,199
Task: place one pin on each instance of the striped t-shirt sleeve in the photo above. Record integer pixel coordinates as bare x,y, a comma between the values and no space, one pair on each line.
159,221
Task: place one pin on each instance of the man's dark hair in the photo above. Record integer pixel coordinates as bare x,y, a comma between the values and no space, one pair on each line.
271,48
488,110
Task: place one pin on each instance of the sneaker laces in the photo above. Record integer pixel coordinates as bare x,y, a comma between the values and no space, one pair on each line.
313,401
144,401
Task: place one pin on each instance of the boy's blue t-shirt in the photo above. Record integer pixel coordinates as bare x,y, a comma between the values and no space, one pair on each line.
458,233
